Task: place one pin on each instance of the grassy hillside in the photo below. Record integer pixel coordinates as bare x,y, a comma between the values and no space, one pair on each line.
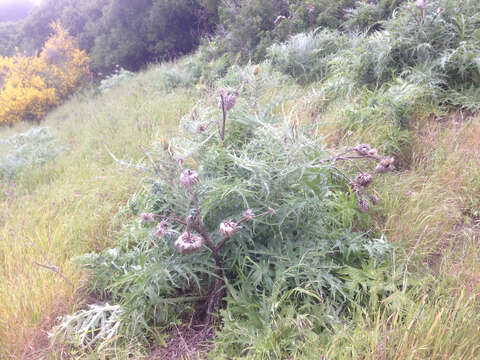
336,270
67,206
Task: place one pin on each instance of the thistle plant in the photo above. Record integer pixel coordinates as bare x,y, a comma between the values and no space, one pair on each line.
363,179
195,237
256,218
422,5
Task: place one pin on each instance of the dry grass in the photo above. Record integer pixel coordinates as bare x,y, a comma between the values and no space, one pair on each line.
435,197
438,317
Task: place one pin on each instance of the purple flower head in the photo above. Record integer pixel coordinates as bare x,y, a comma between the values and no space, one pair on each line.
162,229
364,179
421,4
189,178
227,100
249,215
147,217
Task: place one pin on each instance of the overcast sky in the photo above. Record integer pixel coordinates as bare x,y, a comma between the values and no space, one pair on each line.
14,1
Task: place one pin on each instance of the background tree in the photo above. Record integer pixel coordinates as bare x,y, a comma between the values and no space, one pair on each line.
31,85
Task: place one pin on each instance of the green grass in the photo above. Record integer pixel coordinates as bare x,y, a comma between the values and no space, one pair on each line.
67,206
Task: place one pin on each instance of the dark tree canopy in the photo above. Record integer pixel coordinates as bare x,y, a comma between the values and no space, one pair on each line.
128,33
132,34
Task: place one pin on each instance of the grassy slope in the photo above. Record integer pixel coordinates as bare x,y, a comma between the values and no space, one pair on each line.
431,206
66,208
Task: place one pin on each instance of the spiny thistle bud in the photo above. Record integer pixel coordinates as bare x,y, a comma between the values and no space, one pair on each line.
189,178
228,228
147,217
363,149
363,204
421,4
355,186
248,215
226,100
374,199
201,128
164,143
373,152
188,243
385,165
363,179
162,229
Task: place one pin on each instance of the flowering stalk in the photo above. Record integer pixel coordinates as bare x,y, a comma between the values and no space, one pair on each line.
363,179
229,228
226,102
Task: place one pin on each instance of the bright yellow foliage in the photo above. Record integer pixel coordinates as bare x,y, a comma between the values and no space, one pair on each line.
30,85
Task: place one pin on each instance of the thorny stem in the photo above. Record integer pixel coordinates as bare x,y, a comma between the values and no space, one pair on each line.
171,219
198,225
352,157
243,219
341,173
355,164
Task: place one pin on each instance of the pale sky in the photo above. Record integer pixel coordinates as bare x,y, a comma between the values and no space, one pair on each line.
10,1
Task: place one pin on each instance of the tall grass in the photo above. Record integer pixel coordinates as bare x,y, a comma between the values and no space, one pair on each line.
433,208
66,206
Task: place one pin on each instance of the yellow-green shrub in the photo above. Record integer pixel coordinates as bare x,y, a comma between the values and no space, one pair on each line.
30,85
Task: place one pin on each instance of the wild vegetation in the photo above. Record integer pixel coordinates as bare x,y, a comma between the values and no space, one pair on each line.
323,203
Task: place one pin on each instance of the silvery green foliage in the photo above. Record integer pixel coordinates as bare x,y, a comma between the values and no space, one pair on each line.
33,147
113,80
440,41
306,56
94,327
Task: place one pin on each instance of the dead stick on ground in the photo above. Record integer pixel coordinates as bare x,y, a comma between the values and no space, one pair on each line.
404,284
183,341
49,265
